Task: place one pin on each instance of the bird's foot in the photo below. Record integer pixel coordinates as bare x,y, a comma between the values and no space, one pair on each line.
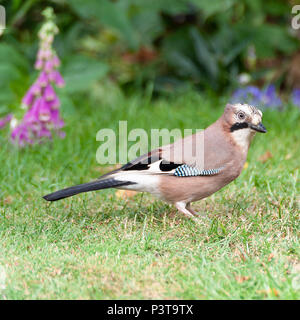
195,213
183,208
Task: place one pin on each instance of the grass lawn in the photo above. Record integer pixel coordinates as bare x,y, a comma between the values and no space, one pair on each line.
100,246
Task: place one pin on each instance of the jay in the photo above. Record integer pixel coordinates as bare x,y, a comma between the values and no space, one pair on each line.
189,169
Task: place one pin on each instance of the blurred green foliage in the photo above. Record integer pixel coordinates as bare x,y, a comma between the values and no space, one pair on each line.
157,45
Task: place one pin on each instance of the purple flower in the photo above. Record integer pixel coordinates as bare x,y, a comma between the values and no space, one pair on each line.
32,115
29,97
5,120
36,89
251,95
56,61
42,118
39,64
54,104
296,97
44,132
48,66
44,53
21,135
49,93
266,98
56,120
40,54
270,97
43,79
44,111
57,78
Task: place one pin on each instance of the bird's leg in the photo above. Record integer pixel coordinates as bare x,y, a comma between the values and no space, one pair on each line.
182,207
196,214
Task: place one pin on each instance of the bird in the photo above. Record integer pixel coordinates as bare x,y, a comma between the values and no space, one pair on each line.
191,168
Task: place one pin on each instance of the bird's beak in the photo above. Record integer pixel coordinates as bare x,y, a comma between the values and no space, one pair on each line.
259,127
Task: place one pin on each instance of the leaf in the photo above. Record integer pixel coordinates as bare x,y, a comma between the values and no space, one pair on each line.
210,8
169,6
66,101
8,200
149,25
170,84
6,96
270,257
269,291
204,56
288,156
234,52
265,157
110,14
9,72
11,56
125,194
241,279
268,39
81,72
183,64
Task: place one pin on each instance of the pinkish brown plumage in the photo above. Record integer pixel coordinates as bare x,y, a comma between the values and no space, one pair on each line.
190,169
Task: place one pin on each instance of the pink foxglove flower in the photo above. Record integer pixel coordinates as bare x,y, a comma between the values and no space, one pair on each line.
34,90
57,78
5,120
49,93
42,118
56,61
43,79
49,66
39,64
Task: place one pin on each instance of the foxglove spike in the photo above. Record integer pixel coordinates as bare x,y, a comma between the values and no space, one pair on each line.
42,104
43,79
49,93
49,66
57,78
56,61
39,64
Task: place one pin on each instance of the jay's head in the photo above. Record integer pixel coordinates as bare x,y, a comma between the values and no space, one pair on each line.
244,117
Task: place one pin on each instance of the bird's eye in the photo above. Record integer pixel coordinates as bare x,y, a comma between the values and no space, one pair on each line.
241,115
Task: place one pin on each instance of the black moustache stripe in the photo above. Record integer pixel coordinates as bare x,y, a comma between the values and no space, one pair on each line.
238,126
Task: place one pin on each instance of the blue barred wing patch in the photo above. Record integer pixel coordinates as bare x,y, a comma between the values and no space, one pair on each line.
188,171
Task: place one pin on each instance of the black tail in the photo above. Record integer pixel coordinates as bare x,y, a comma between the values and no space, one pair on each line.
85,187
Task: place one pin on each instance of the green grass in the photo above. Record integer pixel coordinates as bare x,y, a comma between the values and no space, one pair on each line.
98,246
